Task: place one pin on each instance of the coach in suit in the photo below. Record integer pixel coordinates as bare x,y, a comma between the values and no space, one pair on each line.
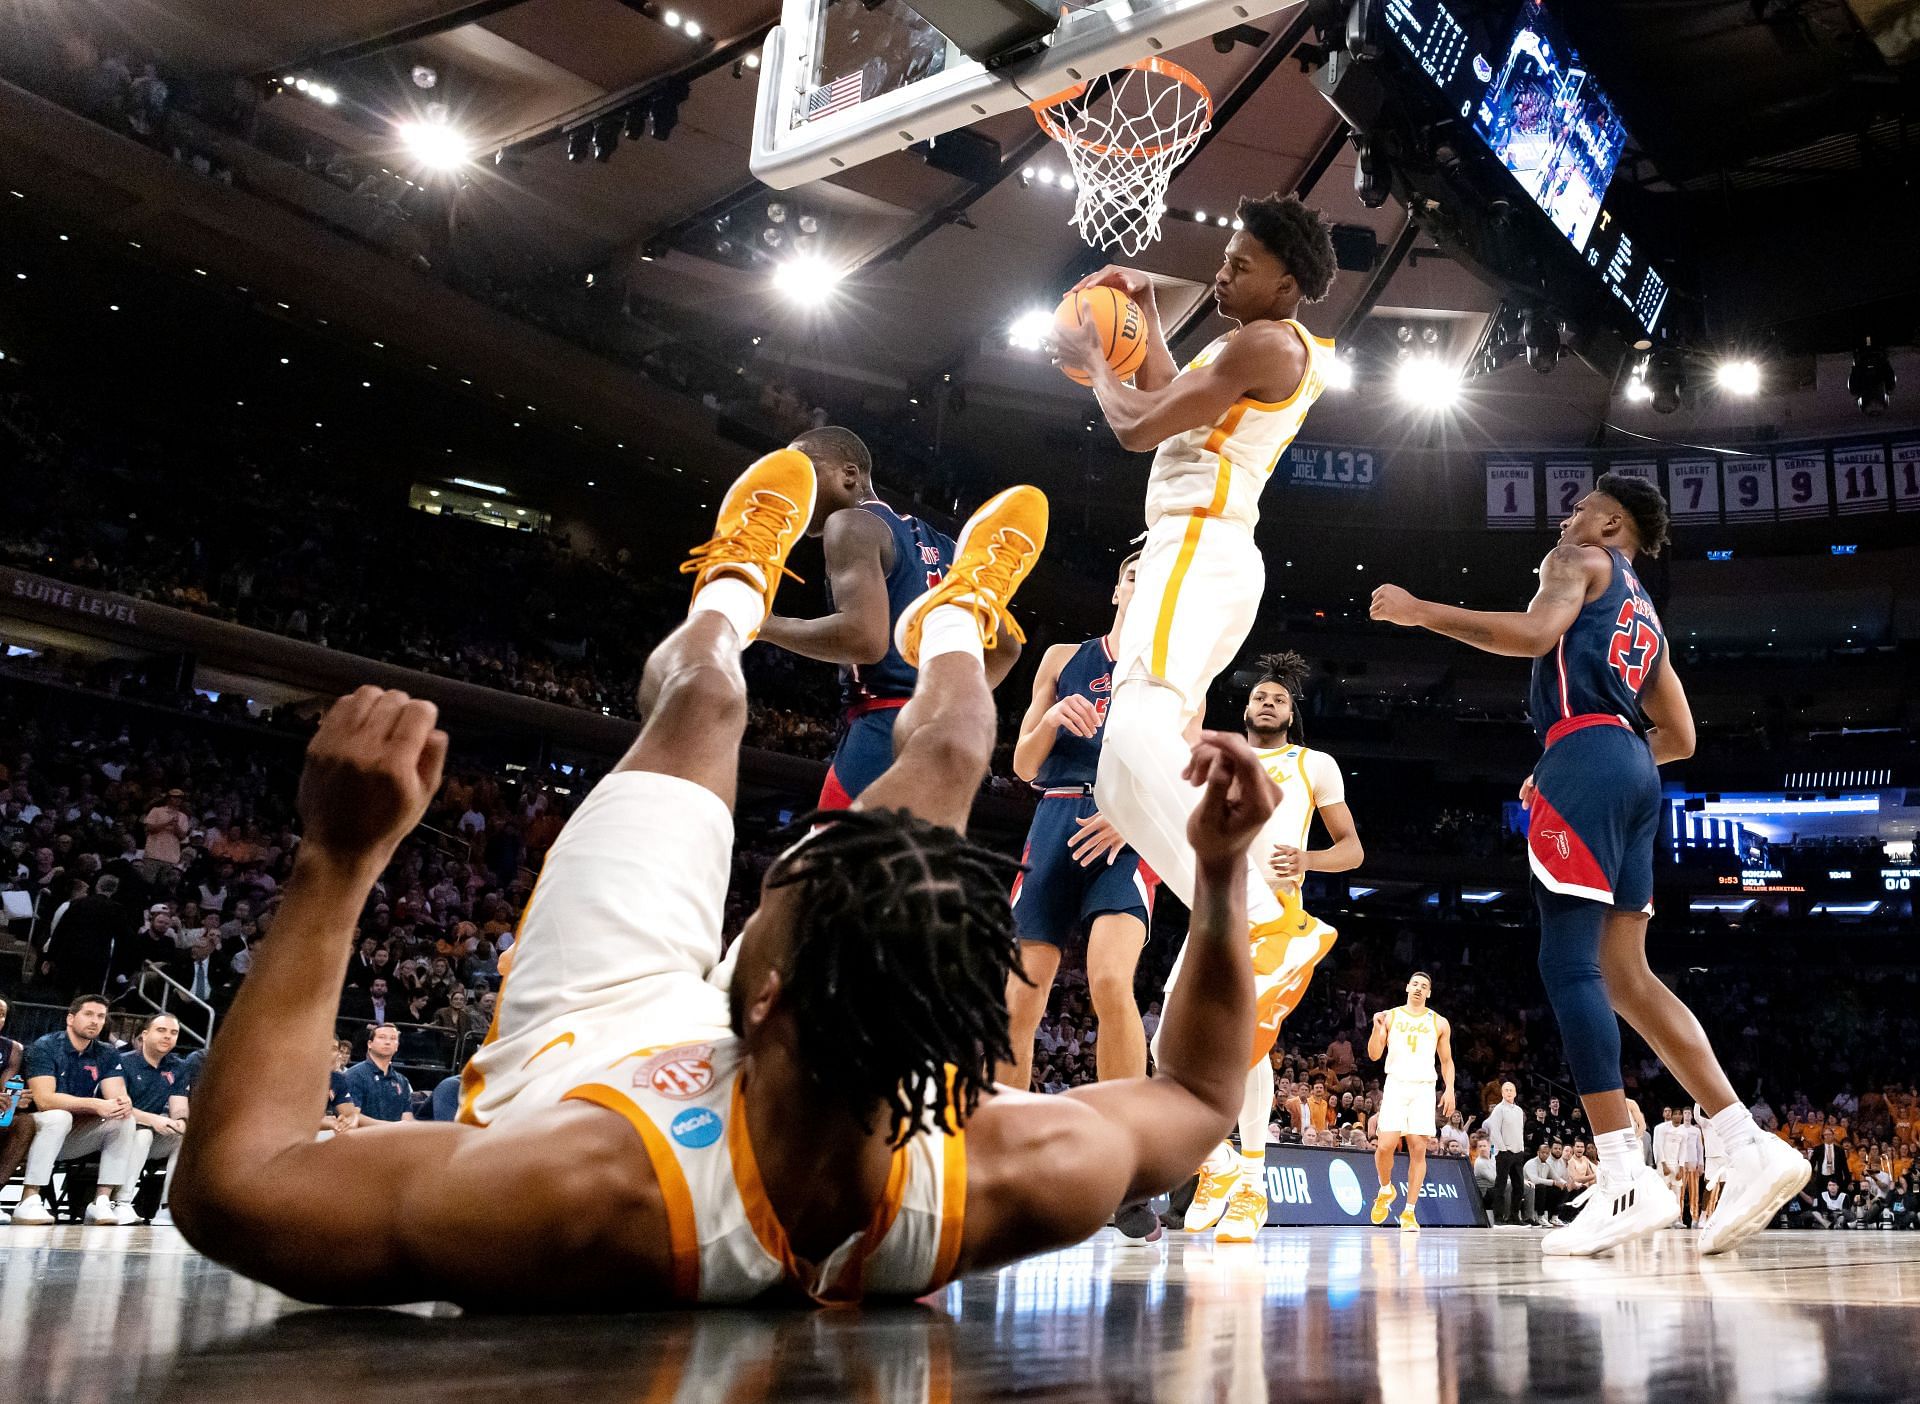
1829,1159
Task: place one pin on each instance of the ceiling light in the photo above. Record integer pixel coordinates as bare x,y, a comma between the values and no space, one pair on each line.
1740,377
671,19
1638,391
1428,382
1029,331
482,487
806,279
436,145
753,59
692,28
1199,216
1340,373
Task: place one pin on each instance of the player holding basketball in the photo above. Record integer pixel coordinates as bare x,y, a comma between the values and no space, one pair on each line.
1217,429
825,1127
1231,1188
878,563
1412,1038
1609,710
1080,879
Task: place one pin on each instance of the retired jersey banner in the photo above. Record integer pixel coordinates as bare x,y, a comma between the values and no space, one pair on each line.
1324,466
1749,483
1693,489
1510,493
1800,484
1906,477
1567,482
1644,469
1860,478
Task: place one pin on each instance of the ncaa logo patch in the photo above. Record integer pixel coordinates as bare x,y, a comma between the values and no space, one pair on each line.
696,1128
679,1073
1345,1186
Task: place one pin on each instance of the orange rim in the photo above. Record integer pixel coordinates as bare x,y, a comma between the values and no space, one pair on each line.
1043,112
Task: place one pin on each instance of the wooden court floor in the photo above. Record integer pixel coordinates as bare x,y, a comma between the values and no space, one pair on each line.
90,1316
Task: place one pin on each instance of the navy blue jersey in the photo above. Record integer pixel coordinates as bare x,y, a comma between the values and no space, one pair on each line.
1074,759
1605,660
921,559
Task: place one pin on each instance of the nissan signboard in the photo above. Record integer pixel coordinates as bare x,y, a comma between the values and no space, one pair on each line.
1307,1185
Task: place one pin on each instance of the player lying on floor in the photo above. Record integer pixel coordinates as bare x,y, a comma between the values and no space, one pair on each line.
635,1134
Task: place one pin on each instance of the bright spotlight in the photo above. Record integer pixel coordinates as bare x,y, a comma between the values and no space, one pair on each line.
1638,391
1340,373
1427,382
436,145
753,59
806,279
1030,329
1739,377
671,19
692,29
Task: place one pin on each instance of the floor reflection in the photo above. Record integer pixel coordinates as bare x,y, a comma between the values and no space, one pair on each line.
90,1317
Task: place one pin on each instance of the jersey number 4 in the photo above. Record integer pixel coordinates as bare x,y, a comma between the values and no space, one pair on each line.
1633,647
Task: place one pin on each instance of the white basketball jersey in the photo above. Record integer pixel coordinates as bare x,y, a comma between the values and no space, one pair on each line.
1308,780
1220,468
686,1104
1413,1042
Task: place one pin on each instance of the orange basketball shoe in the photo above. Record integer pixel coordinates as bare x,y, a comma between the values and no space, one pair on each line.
997,550
1285,952
761,517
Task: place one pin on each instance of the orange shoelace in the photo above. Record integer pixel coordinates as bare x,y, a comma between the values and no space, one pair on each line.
764,522
1005,558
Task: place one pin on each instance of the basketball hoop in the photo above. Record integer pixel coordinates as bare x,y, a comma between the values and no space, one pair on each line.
1125,133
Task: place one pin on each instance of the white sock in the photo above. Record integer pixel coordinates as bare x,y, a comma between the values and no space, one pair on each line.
1619,1152
1735,1127
736,600
1253,1168
950,629
1219,1160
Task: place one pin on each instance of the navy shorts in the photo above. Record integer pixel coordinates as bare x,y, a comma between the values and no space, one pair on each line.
1056,900
1595,815
862,757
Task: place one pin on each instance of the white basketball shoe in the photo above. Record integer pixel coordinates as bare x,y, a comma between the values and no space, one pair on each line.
1615,1210
1760,1177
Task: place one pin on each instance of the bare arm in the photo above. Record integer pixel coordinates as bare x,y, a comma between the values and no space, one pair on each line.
1569,577
1345,853
1158,370
1162,1126
1444,1050
45,1098
1045,716
859,552
1671,736
1377,1038
1266,361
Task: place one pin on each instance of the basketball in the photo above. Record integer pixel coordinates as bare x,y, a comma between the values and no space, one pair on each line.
1118,319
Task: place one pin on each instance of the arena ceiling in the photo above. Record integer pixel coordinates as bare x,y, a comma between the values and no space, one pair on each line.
943,261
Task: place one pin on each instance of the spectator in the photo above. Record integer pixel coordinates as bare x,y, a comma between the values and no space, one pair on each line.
156,1084
371,1004
458,1015
1580,1171
78,952
15,1108
1453,1136
379,1090
341,1114
81,1106
167,826
1542,1190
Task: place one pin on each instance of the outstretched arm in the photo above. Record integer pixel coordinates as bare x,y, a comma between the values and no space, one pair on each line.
1157,1129
1569,577
1266,361
859,552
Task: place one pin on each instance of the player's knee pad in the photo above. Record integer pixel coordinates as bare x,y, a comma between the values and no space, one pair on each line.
1570,930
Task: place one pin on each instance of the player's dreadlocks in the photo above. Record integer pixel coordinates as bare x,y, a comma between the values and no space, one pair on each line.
1291,671
902,942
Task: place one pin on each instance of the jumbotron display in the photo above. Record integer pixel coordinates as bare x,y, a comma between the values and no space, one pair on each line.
1522,89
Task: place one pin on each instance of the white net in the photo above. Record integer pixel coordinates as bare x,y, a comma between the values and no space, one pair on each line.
1125,134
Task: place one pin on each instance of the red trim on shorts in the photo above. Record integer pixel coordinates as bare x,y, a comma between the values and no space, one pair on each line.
1566,726
876,704
1558,849
833,795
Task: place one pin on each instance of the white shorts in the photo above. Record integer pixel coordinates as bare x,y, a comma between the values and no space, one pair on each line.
1407,1109
615,949
1196,592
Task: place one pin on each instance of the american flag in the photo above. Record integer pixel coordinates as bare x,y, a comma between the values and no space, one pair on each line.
833,97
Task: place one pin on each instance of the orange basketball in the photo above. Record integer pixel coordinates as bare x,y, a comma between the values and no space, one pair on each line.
1118,320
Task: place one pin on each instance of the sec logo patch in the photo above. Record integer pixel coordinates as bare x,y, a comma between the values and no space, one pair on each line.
695,1128
680,1073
